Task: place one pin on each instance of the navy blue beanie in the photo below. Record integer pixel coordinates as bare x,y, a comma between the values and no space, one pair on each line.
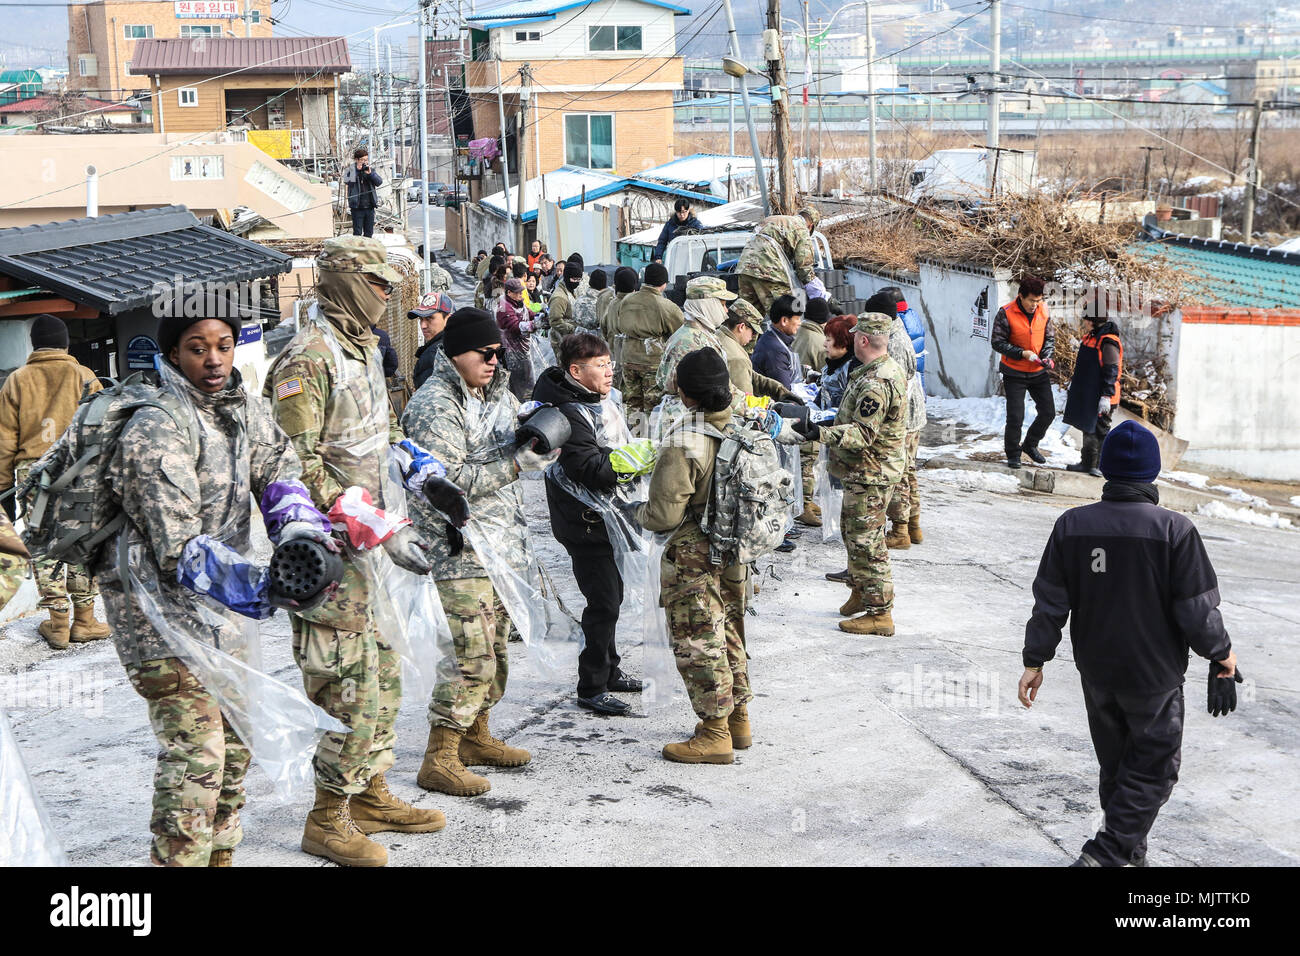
1130,453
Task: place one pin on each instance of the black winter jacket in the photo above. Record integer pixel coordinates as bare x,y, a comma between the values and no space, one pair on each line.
424,357
583,458
387,353
1138,588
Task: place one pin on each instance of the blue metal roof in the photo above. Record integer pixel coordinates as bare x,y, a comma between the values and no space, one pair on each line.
1229,273
534,10
566,185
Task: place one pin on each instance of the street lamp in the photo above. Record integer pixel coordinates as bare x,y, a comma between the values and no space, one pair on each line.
732,66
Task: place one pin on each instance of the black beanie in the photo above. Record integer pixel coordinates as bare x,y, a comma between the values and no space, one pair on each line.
882,302
49,332
172,327
624,279
656,274
572,270
1130,453
469,329
818,311
576,257
701,372
598,279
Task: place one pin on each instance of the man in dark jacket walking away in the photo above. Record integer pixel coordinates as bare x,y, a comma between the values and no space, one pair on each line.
577,387
1139,590
683,218
1023,335
1094,386
361,181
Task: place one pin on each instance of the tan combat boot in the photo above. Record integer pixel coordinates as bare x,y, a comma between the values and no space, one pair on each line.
898,538
880,624
738,723
331,833
478,748
222,858
442,769
711,744
812,515
55,630
377,808
914,529
84,626
856,604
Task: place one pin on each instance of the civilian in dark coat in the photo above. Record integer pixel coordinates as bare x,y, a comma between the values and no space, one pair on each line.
360,181
682,218
386,351
577,387
774,354
432,314
1139,591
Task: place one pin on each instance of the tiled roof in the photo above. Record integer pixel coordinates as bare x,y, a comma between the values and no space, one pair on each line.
1231,274
39,104
295,55
114,262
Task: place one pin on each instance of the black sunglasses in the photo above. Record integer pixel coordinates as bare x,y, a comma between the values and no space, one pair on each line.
490,354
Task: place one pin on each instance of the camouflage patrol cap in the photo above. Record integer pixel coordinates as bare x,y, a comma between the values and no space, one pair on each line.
357,254
874,323
708,287
812,215
742,308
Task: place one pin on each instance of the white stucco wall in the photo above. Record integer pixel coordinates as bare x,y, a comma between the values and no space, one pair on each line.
1239,398
565,37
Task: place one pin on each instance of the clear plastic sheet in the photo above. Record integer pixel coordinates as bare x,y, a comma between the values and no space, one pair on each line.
829,494
789,455
637,554
540,354
26,836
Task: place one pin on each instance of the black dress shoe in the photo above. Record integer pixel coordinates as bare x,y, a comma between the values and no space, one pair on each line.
1013,462
605,703
1079,467
786,546
1035,455
622,683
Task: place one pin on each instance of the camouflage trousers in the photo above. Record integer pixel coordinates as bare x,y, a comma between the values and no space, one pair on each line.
808,453
640,392
905,502
199,782
761,292
862,525
705,609
56,582
480,628
13,561
356,677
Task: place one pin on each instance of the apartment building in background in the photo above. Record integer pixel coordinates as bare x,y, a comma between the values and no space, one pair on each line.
603,75
102,36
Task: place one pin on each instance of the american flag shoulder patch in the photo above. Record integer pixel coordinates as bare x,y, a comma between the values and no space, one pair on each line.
288,388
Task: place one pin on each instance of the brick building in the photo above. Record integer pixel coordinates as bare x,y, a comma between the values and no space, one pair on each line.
102,36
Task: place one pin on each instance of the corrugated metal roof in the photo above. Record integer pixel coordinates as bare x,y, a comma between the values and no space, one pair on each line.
39,104
566,186
114,262
295,55
1231,273
700,169
519,9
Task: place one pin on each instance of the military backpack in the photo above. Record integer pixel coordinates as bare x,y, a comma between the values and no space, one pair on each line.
750,498
70,511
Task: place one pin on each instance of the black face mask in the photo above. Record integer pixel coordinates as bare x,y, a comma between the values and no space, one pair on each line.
572,284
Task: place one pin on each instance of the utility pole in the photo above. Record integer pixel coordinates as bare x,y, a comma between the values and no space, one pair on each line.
995,70
731,121
1146,170
248,20
1252,175
424,135
525,78
780,106
807,79
821,125
374,99
393,147
505,156
871,99
760,168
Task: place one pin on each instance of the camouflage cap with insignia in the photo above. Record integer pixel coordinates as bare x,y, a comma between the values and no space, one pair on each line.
812,215
708,287
357,254
745,310
874,323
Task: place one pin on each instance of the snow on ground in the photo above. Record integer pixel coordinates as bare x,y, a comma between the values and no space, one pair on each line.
1295,501
1202,482
1217,509
1000,482
988,417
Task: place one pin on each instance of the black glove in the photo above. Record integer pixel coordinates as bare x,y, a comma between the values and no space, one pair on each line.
796,412
809,429
455,540
10,503
1222,691
447,499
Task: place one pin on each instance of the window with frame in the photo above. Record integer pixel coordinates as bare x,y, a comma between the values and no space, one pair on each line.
610,39
87,64
528,36
589,140
195,30
188,96
256,16
141,32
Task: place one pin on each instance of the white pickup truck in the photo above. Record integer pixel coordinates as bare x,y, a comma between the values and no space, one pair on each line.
711,251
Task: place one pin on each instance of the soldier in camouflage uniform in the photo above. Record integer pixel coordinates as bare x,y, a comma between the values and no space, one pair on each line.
561,307
181,489
644,322
585,314
704,604
702,318
905,501
328,395
13,561
866,454
465,416
781,244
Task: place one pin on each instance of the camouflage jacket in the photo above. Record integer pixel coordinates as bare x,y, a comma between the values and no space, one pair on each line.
604,304
439,278
866,440
474,438
682,476
329,397
13,561
689,338
903,352
645,320
761,258
170,495
584,310
560,315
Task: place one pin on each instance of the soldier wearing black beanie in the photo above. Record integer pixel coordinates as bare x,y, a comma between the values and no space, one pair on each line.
467,329
625,280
